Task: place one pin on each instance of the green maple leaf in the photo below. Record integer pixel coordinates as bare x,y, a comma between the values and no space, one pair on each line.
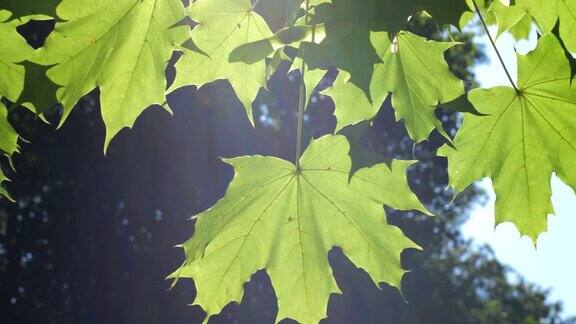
348,43
509,16
285,222
567,16
121,47
22,8
14,50
348,25
8,144
546,15
526,136
522,29
222,27
414,71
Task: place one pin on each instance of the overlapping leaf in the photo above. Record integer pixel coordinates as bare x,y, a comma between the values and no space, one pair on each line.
526,136
222,27
349,23
508,16
414,71
284,13
285,221
347,44
546,14
121,47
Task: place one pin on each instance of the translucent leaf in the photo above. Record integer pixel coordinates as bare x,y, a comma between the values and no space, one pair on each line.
414,71
223,26
14,50
121,47
285,222
525,137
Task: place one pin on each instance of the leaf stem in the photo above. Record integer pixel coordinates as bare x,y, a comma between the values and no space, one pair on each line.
302,97
494,46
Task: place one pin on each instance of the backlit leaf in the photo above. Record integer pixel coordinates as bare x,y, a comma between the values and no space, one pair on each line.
120,47
14,50
223,26
285,222
525,138
413,71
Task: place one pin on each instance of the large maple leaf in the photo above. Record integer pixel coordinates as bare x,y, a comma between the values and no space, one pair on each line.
121,47
276,218
526,136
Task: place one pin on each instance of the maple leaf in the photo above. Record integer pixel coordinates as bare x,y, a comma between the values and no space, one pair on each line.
275,218
348,43
567,16
222,27
509,16
8,144
546,15
526,136
413,71
121,47
14,50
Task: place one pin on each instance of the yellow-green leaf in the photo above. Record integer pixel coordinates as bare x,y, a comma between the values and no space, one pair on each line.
222,27
285,222
413,71
525,137
14,50
121,47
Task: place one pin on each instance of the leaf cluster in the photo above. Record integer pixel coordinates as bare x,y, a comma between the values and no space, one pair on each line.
284,217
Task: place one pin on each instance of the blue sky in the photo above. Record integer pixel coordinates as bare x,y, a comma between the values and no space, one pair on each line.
553,263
